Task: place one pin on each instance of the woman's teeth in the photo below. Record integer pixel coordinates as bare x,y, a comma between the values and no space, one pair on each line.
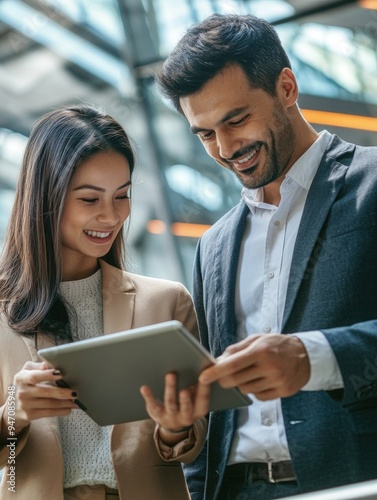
96,234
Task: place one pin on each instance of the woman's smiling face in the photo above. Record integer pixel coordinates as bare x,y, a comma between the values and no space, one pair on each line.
97,204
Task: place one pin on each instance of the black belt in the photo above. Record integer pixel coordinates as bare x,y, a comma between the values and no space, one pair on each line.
271,472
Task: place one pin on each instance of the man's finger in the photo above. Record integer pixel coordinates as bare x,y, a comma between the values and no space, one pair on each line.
239,346
226,366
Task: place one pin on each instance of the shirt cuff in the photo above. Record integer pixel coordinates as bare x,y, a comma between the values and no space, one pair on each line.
324,369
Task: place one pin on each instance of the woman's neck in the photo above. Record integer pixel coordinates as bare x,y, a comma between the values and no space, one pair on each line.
73,271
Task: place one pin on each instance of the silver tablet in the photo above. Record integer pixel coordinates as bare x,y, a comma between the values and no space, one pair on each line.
108,371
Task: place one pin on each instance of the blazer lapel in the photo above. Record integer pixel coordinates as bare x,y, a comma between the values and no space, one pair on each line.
118,295
226,262
323,191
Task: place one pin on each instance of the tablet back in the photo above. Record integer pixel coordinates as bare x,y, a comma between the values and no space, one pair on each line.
108,371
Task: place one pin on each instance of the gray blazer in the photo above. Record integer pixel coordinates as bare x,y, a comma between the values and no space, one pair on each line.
333,288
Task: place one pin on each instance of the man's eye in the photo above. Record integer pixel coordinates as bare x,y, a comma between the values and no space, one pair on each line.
206,135
238,122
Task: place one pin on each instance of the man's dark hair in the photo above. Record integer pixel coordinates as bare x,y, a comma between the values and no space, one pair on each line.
218,42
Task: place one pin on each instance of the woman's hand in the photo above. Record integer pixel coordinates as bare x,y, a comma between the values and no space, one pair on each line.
37,396
177,414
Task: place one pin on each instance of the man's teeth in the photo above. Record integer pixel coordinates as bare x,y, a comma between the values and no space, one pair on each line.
248,157
96,234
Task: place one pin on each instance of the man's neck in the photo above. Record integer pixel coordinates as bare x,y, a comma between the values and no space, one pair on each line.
305,139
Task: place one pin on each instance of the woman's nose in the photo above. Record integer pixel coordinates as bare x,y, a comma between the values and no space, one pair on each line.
108,215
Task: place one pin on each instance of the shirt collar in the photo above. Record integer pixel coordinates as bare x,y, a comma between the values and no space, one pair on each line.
302,171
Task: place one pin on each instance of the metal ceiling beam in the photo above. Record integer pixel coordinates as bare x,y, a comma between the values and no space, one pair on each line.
38,27
140,49
311,11
83,30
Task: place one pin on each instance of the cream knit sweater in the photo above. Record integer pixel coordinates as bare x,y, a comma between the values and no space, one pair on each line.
85,444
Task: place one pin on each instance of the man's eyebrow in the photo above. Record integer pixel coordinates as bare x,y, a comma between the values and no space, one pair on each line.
228,116
97,188
197,130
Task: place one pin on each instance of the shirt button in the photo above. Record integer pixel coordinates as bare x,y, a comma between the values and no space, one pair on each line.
267,329
267,422
277,223
270,275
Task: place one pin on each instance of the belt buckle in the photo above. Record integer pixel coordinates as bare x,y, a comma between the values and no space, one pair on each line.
270,474
271,478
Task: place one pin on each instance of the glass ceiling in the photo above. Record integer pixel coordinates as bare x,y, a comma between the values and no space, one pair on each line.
335,61
330,61
101,16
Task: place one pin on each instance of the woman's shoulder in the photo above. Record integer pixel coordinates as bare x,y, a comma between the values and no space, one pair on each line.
6,331
14,351
146,286
8,336
126,280
140,280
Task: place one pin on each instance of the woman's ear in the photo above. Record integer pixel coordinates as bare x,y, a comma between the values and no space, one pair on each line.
287,88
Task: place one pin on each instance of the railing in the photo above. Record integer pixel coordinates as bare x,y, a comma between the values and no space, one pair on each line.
359,491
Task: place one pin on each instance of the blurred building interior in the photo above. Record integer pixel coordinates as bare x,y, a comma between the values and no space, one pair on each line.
105,52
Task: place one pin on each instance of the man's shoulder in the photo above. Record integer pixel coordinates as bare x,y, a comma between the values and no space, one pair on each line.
348,152
365,156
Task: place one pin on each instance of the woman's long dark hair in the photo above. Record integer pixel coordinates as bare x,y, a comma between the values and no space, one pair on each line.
31,261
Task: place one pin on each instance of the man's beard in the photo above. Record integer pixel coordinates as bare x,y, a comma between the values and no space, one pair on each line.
278,151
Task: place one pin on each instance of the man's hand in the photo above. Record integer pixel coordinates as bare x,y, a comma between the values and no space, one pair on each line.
270,366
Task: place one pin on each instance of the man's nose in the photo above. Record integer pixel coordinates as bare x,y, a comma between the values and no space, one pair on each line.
227,145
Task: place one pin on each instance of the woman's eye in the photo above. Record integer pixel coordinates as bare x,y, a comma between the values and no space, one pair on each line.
89,200
125,196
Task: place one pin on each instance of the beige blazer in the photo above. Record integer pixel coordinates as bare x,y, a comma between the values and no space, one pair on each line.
129,301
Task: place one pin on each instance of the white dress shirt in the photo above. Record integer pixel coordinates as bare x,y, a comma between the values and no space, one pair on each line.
262,281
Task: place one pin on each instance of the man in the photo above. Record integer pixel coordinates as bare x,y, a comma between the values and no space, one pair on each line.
296,255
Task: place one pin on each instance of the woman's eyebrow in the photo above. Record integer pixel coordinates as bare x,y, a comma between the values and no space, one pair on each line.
97,188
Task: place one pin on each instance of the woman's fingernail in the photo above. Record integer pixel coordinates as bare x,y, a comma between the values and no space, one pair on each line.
56,372
74,394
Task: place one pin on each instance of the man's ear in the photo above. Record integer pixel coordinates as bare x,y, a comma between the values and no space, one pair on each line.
287,88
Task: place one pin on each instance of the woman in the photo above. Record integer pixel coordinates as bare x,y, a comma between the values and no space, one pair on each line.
61,280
